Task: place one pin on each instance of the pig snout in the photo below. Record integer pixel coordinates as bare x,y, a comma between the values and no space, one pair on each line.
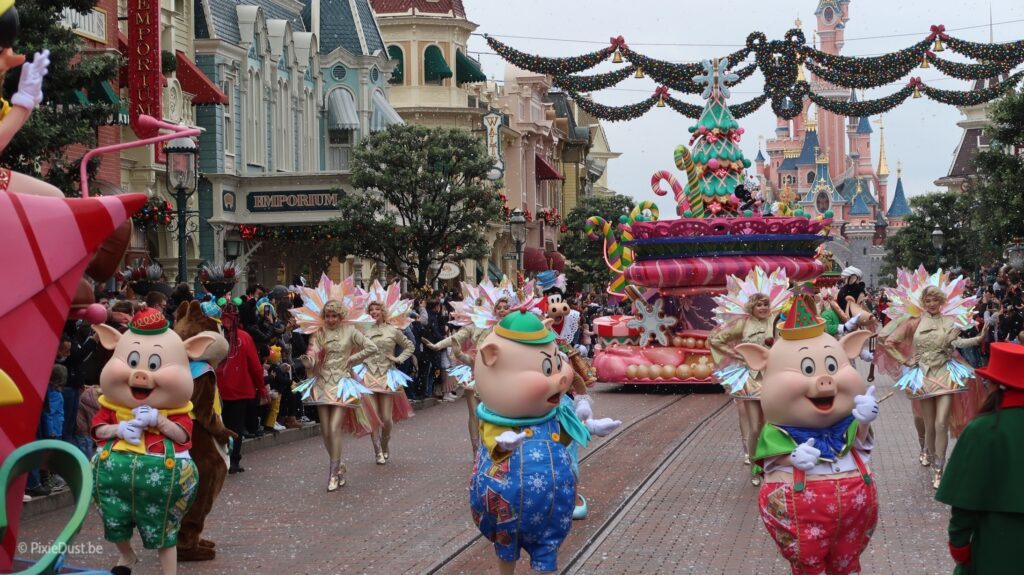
823,386
141,379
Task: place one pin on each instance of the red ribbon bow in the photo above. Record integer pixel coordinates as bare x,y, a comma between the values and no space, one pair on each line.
929,53
938,30
661,92
915,82
617,42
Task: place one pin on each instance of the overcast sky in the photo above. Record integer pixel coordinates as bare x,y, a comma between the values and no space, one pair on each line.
921,132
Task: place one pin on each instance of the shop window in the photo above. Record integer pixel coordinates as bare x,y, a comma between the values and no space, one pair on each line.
339,148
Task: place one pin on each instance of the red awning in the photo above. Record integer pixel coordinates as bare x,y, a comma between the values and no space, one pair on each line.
545,171
556,261
193,81
534,260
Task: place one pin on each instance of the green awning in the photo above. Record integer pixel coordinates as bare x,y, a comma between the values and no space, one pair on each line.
467,70
398,75
105,93
81,98
434,66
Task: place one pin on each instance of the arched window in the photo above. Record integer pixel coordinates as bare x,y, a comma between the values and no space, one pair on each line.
810,177
398,75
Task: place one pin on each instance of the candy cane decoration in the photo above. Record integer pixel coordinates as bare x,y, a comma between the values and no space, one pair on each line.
616,256
696,203
639,210
666,176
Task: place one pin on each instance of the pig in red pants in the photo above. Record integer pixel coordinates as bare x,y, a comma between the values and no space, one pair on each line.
823,528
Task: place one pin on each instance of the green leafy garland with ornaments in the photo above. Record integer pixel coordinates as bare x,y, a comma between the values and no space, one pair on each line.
780,62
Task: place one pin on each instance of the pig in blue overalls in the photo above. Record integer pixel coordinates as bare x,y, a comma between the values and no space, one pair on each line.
525,499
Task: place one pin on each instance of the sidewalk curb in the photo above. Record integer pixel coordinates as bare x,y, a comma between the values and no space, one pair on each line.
40,505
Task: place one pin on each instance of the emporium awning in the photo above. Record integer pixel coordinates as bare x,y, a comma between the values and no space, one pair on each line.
195,82
341,111
467,70
383,114
545,171
434,65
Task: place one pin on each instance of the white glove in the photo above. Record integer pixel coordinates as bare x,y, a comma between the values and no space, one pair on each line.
867,356
584,408
805,456
865,407
129,431
510,440
30,86
602,427
850,325
146,416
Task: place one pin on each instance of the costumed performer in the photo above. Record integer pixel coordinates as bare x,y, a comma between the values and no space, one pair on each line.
744,315
380,373
982,484
928,313
818,501
479,311
209,436
523,488
144,475
330,357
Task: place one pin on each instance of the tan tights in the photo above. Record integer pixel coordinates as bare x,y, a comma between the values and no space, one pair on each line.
332,418
384,404
750,412
935,412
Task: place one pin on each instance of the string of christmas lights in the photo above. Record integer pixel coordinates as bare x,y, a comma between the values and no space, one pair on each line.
963,71
551,66
987,52
595,82
864,107
972,97
613,113
737,110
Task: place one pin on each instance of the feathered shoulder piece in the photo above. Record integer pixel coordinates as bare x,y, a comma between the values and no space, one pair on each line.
396,309
732,306
905,298
313,300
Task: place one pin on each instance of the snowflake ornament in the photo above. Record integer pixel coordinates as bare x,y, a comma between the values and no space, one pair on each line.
651,322
715,77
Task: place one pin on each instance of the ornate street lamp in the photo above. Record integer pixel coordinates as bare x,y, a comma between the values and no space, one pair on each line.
938,240
517,229
181,177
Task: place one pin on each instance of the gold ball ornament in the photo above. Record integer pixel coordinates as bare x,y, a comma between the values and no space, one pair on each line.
677,341
701,371
631,371
643,372
655,371
683,371
689,342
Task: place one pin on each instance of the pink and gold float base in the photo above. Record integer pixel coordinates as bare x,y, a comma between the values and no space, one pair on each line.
686,361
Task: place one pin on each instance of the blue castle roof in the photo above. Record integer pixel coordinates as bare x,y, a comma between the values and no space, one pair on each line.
807,153
864,127
860,208
899,207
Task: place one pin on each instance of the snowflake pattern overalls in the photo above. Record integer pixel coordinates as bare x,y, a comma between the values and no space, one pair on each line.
526,500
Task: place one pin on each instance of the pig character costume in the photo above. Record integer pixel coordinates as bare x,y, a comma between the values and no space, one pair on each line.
144,475
523,489
818,500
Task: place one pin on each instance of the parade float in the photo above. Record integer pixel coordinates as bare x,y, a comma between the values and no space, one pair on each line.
671,268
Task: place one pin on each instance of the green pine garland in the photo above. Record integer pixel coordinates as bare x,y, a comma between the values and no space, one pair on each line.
880,77
552,66
613,113
595,82
988,52
972,97
869,66
737,110
865,107
962,71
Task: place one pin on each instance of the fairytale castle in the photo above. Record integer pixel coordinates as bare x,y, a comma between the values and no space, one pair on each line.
823,161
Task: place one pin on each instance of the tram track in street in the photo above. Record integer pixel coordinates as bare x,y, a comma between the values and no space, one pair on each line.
465,549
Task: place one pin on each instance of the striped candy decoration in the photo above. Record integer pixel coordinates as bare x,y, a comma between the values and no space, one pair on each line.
693,196
48,243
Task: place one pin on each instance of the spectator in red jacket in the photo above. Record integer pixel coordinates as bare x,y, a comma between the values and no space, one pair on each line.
239,379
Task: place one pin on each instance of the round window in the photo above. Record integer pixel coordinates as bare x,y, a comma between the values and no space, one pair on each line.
374,74
338,72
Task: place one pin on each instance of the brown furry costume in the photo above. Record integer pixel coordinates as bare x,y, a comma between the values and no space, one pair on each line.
208,430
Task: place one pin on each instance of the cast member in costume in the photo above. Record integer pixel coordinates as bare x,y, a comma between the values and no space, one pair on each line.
380,374
144,474
523,487
985,473
480,310
744,315
209,436
929,311
336,345
818,501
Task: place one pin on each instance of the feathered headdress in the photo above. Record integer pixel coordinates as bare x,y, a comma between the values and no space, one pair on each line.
733,305
905,298
477,307
313,300
396,310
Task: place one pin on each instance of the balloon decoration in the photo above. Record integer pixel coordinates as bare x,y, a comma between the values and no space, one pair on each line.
779,62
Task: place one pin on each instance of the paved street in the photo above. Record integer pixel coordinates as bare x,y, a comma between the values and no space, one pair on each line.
668,491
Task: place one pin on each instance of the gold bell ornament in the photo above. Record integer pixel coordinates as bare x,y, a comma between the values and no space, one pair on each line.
661,102
938,45
924,61
917,93
639,73
617,57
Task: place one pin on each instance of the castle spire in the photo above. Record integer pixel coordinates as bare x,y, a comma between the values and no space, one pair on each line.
883,164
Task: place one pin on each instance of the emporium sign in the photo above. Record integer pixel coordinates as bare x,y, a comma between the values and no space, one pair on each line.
492,139
145,78
305,201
